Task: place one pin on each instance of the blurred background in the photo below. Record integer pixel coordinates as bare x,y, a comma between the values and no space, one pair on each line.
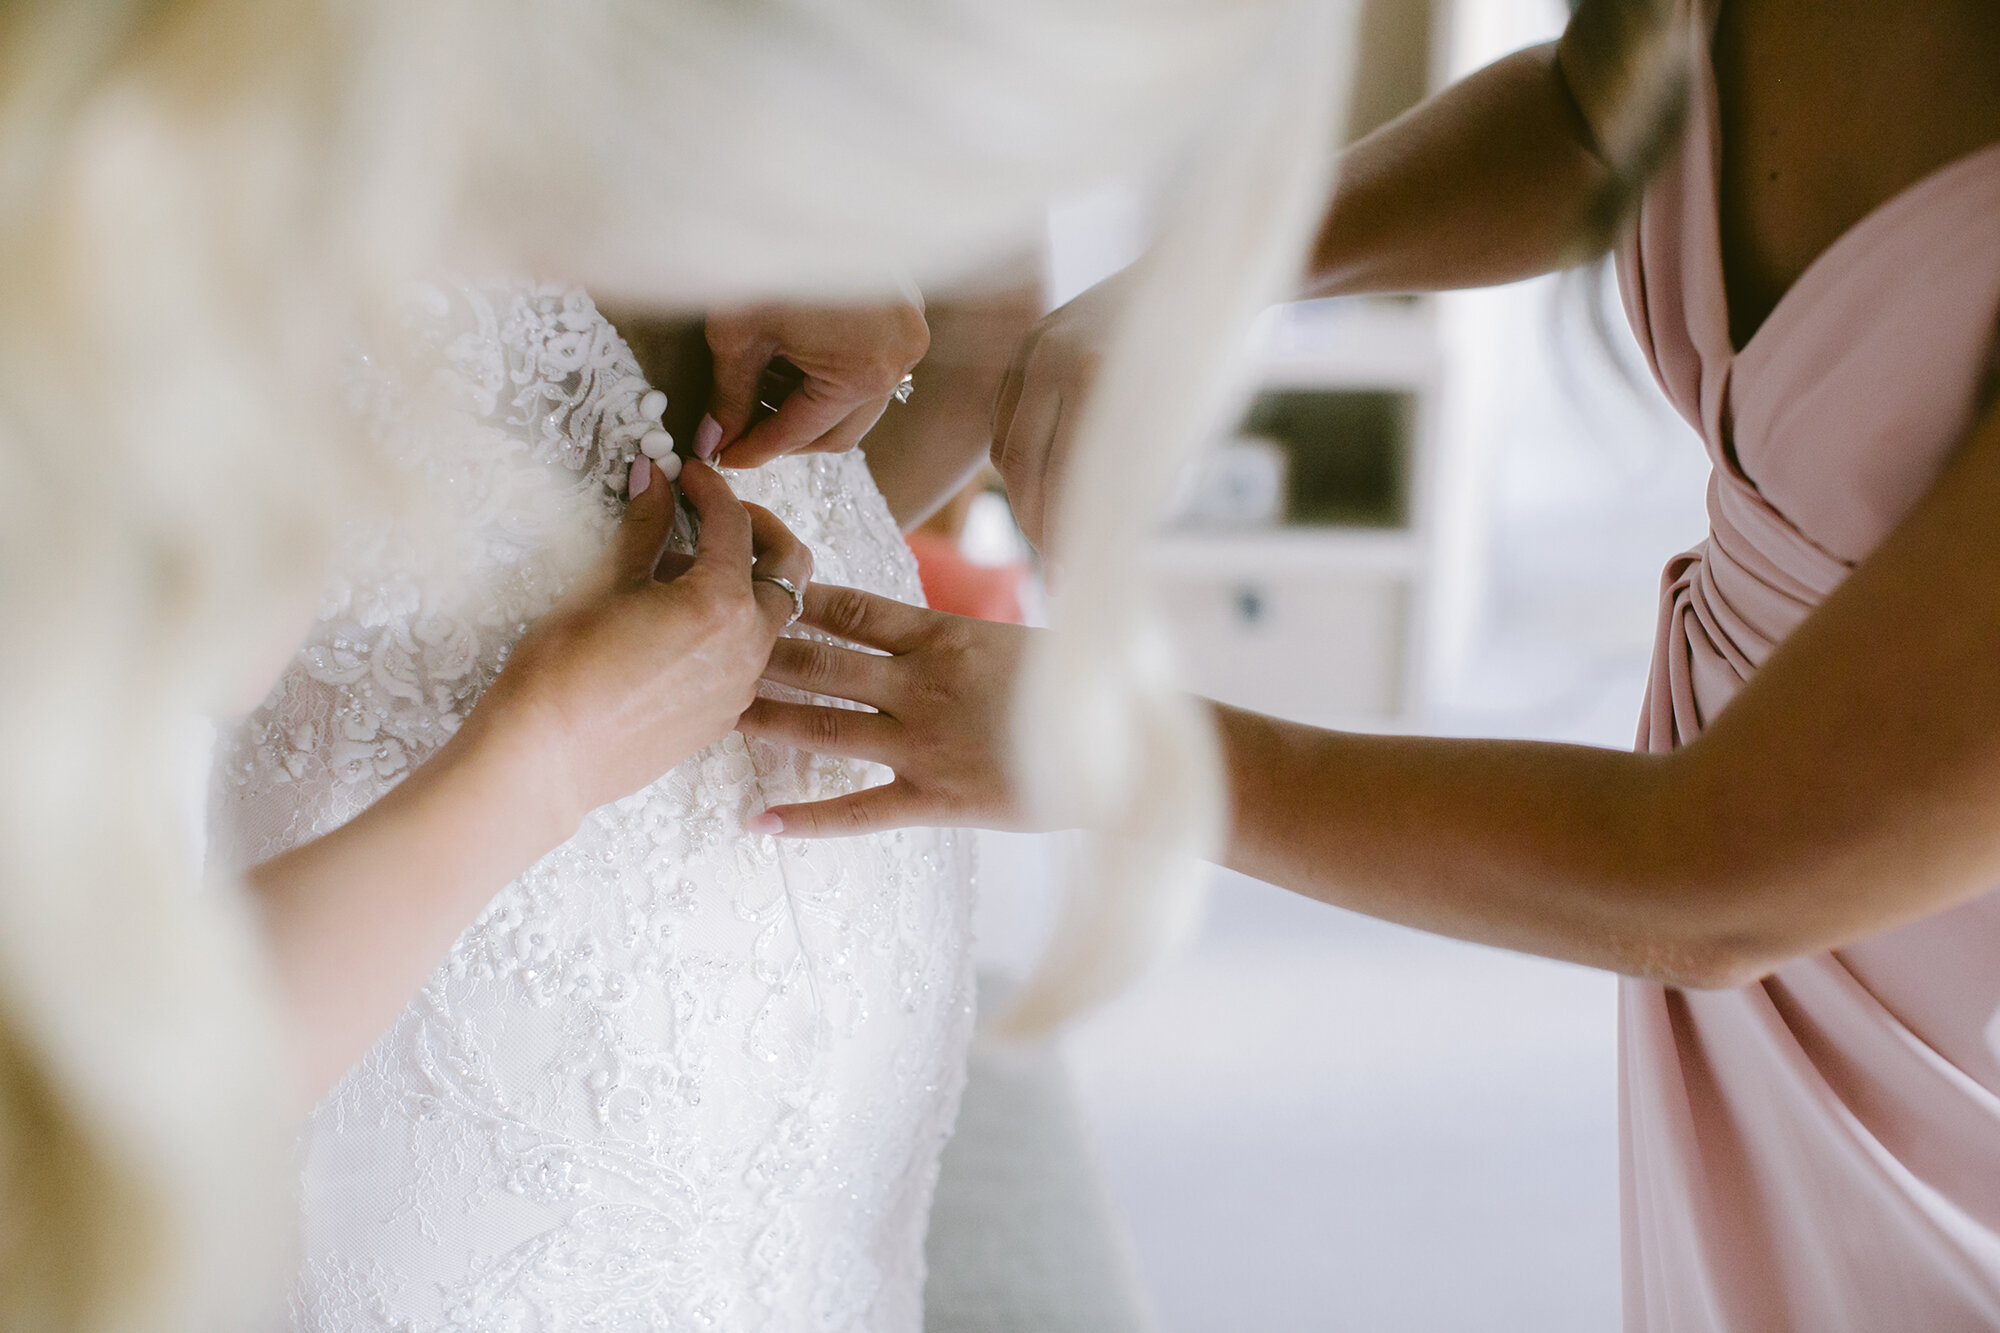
1445,514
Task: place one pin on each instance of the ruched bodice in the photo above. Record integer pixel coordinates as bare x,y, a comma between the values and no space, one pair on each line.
1819,1151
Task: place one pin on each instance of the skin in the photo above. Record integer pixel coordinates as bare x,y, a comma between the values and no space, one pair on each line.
1491,181
1845,791
925,451
920,452
852,357
642,664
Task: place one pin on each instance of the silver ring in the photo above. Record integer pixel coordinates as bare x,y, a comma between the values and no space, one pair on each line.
798,597
904,388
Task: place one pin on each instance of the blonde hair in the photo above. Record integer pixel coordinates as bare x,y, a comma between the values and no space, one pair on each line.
204,203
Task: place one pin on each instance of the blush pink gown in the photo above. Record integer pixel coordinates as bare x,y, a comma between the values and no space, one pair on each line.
1819,1152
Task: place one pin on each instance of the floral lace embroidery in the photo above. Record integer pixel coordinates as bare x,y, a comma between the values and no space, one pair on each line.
675,1076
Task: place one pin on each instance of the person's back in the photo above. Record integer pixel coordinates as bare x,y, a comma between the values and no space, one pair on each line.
1829,110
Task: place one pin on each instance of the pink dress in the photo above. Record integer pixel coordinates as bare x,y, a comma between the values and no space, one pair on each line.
1819,1152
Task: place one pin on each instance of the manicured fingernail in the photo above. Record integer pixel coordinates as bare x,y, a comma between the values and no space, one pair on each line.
764,822
706,436
641,478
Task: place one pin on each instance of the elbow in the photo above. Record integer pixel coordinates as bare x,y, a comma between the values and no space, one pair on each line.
1713,940
1713,964
1706,908
1702,943
1726,936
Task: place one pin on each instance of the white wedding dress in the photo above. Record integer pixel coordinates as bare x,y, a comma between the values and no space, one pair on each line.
676,1076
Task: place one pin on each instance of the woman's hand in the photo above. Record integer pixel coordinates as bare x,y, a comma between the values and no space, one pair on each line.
853,357
1041,400
941,698
629,675
625,678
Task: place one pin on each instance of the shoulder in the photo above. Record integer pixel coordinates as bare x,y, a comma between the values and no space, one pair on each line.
1626,66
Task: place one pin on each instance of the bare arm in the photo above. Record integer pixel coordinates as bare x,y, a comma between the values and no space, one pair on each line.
1513,171
924,451
622,680
356,920
1504,175
1853,785
1492,180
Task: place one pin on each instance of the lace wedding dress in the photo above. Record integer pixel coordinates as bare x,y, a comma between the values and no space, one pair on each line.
676,1076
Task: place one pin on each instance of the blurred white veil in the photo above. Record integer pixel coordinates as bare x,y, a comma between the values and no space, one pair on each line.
204,203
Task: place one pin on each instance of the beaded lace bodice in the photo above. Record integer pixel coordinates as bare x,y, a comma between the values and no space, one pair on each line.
676,1076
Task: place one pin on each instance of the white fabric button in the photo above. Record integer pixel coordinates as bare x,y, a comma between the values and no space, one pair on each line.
656,444
653,405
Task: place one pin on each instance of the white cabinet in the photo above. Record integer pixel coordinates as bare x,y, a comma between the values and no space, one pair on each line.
1323,616
1311,626
1331,614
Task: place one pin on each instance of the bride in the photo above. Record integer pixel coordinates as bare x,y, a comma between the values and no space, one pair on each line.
207,201
669,1078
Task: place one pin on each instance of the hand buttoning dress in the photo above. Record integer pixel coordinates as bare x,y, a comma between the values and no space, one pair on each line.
1818,1152
675,1076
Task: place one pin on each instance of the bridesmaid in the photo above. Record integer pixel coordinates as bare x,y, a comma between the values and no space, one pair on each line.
1797,869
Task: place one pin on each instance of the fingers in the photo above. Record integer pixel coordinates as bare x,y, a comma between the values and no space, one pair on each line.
847,435
893,806
823,668
724,545
808,412
850,357
846,732
779,554
863,618
778,550
672,565
741,350
648,522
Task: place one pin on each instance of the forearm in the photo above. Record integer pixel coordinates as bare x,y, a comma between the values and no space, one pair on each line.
1850,787
924,451
624,678
1492,180
358,919
1558,850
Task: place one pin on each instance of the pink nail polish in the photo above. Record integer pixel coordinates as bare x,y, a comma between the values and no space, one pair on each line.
764,822
641,478
706,436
